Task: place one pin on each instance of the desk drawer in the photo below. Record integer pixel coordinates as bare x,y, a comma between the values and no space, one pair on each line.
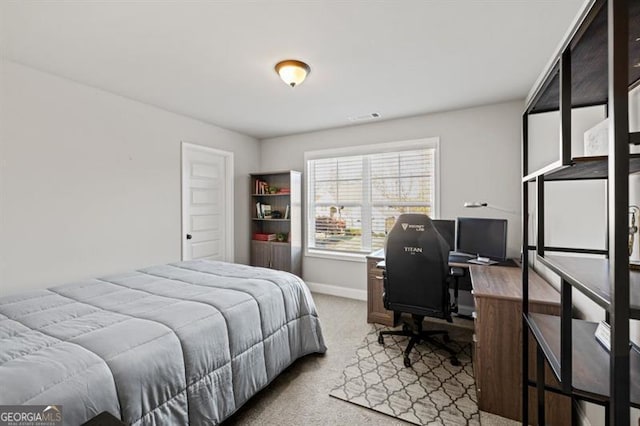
372,270
376,312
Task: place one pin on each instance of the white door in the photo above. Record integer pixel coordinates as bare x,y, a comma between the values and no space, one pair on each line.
207,203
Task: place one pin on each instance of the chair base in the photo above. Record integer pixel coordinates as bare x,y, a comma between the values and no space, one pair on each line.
417,335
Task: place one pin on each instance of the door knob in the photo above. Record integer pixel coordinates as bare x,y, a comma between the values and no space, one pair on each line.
189,236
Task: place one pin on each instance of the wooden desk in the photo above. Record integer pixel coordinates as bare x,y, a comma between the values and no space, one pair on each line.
376,313
497,348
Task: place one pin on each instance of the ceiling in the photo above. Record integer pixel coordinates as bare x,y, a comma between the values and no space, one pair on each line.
214,60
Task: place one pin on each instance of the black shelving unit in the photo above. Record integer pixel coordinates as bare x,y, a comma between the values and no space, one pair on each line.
597,64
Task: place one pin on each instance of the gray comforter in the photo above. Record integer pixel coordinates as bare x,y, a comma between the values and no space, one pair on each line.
176,344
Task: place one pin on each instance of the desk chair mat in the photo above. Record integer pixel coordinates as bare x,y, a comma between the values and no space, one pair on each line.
430,392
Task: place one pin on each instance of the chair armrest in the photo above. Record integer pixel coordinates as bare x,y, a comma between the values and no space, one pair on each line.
456,272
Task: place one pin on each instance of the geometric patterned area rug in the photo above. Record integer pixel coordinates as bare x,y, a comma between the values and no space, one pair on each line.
430,392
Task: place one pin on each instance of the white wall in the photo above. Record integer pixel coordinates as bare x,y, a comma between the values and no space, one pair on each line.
90,181
544,130
479,160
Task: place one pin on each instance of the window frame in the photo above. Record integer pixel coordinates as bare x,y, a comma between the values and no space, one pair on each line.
379,148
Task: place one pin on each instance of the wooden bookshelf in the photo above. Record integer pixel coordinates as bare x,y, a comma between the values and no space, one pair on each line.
285,255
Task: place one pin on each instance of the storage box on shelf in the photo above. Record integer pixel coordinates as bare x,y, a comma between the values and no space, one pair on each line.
276,220
592,67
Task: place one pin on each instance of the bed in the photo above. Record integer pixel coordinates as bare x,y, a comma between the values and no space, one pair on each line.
184,343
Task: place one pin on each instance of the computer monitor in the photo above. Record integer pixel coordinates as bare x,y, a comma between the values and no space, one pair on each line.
447,229
482,237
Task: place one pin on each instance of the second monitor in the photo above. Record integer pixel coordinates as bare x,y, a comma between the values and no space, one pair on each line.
482,237
447,229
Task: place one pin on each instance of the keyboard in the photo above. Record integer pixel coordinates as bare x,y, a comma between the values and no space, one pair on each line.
459,258
463,258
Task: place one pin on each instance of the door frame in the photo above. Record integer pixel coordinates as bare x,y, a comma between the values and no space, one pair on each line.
229,255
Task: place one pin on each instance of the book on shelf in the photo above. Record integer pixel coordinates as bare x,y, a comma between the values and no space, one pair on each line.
264,237
263,211
261,187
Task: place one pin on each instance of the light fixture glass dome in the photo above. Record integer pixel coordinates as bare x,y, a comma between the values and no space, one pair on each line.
292,72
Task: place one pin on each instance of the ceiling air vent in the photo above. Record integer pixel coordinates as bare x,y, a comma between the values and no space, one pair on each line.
365,117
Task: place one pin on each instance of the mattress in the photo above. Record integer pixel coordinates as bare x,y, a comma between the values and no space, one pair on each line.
184,343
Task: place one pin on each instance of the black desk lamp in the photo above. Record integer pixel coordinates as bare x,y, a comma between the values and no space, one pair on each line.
476,204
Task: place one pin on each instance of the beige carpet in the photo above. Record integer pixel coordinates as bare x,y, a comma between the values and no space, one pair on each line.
300,395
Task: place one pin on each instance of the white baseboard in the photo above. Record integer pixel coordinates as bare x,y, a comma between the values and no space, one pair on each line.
334,290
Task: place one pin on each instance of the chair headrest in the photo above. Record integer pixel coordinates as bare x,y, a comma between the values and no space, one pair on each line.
415,234
411,226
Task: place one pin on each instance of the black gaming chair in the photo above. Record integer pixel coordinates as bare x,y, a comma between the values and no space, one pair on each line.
416,280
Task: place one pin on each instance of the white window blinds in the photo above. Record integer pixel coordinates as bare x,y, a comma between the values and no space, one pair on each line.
353,201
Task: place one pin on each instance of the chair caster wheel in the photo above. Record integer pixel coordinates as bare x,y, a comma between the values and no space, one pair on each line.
407,363
455,362
446,338
380,339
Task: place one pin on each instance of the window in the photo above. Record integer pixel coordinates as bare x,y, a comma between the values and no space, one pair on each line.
355,195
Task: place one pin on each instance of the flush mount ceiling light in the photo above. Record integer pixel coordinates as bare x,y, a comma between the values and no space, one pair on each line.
292,72
365,117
